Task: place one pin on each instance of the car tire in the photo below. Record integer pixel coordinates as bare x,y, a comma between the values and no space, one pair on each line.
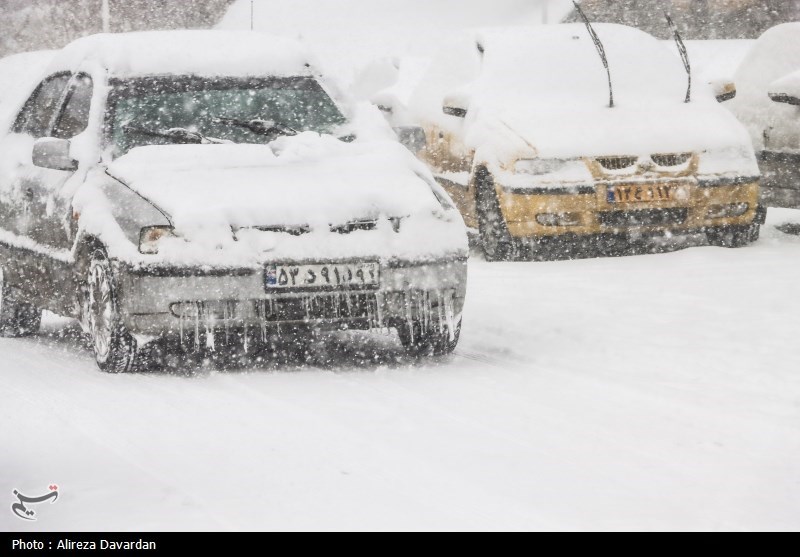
114,347
733,236
17,317
497,243
434,342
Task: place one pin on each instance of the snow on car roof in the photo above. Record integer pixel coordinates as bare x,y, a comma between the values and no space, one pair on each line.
208,53
554,62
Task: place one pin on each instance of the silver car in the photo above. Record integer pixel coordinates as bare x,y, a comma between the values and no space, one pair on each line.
215,202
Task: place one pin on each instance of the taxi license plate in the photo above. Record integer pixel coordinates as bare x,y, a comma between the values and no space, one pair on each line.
642,193
322,276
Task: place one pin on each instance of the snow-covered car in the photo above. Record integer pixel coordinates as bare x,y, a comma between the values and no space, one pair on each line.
522,133
211,189
768,94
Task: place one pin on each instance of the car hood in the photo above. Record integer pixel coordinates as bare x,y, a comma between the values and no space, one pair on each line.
623,130
303,180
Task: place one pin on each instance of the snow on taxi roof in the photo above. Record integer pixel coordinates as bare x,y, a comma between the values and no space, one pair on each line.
206,53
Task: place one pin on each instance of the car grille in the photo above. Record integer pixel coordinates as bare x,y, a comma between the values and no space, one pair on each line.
616,163
293,230
319,307
349,227
643,217
346,228
671,159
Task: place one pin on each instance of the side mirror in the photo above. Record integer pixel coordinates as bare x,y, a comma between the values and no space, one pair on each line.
52,153
413,137
724,90
785,98
456,105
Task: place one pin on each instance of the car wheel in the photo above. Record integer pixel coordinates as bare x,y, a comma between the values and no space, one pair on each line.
17,317
498,245
433,342
114,348
733,236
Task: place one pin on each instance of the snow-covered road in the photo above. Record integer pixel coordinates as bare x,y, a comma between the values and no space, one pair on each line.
649,392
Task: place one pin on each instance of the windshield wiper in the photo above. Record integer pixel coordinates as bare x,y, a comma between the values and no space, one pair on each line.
181,136
684,54
260,126
600,50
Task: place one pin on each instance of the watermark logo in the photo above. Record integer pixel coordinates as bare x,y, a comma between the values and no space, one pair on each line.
25,512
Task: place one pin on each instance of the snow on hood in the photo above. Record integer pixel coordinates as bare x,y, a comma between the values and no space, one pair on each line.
634,130
773,57
308,179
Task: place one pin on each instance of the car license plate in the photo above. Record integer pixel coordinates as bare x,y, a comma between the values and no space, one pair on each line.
642,193
323,275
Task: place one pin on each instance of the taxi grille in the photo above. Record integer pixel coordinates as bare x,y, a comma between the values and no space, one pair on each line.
643,217
616,163
671,159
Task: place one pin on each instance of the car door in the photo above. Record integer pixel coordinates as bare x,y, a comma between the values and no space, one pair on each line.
57,225
22,206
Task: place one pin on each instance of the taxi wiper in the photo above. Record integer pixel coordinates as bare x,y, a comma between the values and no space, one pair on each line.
684,54
600,50
260,126
180,136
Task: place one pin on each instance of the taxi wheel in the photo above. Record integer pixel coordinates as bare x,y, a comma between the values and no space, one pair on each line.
114,347
498,245
733,236
17,318
419,342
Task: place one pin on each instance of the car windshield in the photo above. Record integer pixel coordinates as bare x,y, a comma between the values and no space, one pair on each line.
168,110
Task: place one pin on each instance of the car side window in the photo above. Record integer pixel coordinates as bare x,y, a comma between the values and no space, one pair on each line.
38,112
74,119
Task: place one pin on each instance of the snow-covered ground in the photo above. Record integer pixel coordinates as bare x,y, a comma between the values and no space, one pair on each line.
647,392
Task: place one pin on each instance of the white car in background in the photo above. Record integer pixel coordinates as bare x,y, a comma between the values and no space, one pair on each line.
211,190
767,99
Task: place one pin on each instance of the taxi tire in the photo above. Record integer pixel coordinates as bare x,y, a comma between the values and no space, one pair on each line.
497,243
17,317
733,236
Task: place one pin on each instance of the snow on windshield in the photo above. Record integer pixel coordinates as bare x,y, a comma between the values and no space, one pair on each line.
227,109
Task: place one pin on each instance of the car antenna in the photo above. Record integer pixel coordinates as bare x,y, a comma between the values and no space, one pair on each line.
683,52
600,50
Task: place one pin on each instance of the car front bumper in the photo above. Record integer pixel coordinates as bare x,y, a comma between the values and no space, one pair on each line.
159,300
593,213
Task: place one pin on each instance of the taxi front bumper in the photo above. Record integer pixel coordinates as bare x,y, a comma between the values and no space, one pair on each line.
596,210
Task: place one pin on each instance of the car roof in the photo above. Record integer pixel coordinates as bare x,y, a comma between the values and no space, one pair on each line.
554,62
202,53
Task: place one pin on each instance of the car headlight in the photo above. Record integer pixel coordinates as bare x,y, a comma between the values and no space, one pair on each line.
537,167
150,236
